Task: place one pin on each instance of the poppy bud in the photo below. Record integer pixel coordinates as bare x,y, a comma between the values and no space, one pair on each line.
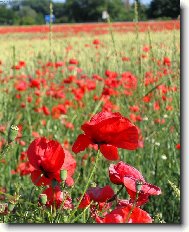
43,199
63,175
13,132
11,206
139,184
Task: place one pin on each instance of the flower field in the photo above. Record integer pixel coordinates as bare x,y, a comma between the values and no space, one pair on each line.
90,123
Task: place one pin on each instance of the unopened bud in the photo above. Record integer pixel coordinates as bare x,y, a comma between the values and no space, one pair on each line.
11,206
13,132
139,184
63,175
43,199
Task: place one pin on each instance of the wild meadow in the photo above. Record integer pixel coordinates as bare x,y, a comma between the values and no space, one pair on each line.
90,126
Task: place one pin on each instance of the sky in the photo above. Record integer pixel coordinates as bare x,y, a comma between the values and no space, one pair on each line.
131,1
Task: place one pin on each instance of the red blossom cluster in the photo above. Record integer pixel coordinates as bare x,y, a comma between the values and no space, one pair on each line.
108,131
95,28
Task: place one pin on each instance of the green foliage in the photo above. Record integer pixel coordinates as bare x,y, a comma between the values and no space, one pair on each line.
6,16
28,12
90,10
164,8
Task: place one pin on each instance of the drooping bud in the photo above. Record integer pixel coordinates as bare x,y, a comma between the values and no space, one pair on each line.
12,134
63,175
139,184
43,199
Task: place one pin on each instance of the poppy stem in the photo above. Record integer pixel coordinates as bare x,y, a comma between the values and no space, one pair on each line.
87,185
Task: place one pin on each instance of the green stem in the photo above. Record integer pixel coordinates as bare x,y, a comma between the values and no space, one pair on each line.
82,213
113,40
87,185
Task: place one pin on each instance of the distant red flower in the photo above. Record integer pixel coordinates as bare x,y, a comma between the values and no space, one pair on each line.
24,168
96,41
46,110
34,83
146,48
178,146
21,86
22,63
73,61
125,58
16,67
47,157
111,74
58,110
167,61
129,80
121,215
110,131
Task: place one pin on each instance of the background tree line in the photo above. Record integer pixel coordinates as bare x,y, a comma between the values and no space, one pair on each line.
26,12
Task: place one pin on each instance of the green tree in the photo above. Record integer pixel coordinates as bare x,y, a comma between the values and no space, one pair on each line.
26,16
164,8
41,6
6,15
91,10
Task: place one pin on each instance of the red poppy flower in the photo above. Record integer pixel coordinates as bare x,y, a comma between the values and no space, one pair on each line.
129,176
117,172
100,194
167,61
46,110
121,215
97,194
21,86
110,131
35,83
47,157
96,41
73,61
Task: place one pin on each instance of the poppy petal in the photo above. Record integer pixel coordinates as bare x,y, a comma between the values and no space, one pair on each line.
81,143
100,194
109,152
38,179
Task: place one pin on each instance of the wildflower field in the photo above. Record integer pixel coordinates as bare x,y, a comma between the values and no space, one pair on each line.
90,124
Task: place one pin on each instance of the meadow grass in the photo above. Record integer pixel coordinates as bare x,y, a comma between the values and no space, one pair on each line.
158,160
